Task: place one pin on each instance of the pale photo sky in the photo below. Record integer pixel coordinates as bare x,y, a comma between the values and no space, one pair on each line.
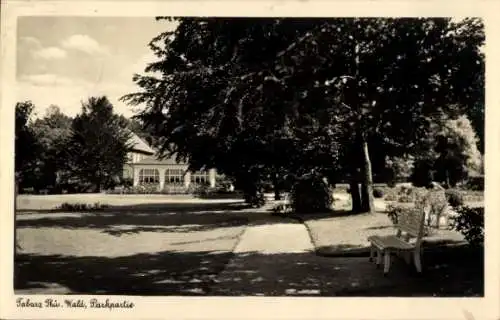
64,60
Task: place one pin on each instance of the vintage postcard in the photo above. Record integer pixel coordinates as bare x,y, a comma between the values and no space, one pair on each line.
248,160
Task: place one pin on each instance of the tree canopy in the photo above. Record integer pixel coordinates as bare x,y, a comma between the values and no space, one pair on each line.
97,149
52,133
239,94
26,145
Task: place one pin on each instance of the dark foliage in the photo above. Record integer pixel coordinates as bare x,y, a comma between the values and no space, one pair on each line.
475,183
470,222
265,96
378,193
81,207
455,197
98,146
423,173
393,212
311,194
26,147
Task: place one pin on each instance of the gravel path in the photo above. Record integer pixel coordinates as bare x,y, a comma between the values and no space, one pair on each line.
275,238
263,254
278,259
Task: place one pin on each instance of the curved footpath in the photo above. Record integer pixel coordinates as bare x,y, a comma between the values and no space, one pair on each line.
278,259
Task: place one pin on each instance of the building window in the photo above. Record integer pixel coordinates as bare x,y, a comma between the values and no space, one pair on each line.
127,174
137,157
149,176
174,176
199,177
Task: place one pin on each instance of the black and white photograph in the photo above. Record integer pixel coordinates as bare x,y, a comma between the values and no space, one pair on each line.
232,156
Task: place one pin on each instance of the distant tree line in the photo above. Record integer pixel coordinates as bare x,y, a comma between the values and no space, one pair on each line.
57,152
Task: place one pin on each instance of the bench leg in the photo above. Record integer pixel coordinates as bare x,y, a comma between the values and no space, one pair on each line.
416,259
379,258
407,257
387,261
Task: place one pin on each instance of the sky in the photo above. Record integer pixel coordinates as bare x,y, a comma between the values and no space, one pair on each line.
64,60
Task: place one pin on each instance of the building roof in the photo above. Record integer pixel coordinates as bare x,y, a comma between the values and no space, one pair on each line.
139,145
157,161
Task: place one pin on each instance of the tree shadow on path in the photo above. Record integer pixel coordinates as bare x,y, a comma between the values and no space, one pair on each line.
452,272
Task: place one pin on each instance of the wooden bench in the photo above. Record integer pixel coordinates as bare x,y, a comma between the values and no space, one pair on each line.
406,242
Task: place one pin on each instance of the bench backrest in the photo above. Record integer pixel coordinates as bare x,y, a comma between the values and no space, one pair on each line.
411,222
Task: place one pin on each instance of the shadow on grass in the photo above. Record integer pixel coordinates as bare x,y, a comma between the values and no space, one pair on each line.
172,207
323,215
451,272
164,273
168,217
430,246
380,227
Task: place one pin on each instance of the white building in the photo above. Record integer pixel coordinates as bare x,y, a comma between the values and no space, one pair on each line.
145,168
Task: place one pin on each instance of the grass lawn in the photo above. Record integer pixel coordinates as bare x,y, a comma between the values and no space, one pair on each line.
139,245
177,245
450,267
342,233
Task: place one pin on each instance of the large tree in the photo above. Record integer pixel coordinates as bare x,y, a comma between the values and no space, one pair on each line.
98,146
217,105
26,146
52,132
229,85
452,154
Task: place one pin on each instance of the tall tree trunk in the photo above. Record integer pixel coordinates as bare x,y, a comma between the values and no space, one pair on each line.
355,195
354,188
448,184
354,178
277,195
367,203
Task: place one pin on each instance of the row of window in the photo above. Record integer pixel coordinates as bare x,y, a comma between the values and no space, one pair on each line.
134,157
172,176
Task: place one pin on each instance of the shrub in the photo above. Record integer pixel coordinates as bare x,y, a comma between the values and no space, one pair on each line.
435,199
378,193
280,209
201,190
398,169
393,212
470,223
438,203
410,194
153,189
405,198
311,194
72,207
473,196
423,173
475,183
173,189
267,187
391,194
391,184
127,182
256,199
455,197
